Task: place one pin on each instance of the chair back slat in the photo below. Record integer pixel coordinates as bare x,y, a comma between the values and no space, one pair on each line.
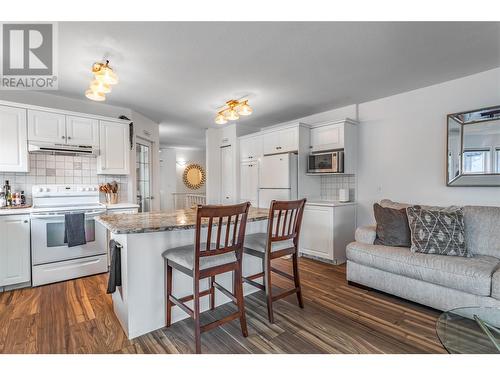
281,230
217,218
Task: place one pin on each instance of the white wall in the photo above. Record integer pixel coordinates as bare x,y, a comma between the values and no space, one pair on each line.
402,144
173,163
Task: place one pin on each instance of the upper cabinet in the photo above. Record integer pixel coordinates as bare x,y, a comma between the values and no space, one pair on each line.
114,155
46,127
82,131
53,127
13,140
250,148
282,140
330,137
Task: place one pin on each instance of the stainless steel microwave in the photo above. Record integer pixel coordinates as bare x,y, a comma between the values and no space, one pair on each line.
326,162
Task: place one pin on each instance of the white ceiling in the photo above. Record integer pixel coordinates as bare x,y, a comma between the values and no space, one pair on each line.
178,73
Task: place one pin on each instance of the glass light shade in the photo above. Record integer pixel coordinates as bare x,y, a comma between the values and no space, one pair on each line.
219,119
232,115
106,75
99,86
95,95
245,110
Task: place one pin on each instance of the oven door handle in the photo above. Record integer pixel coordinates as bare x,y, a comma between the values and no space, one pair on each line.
88,215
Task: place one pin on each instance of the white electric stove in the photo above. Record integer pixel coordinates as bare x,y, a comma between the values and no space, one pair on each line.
52,259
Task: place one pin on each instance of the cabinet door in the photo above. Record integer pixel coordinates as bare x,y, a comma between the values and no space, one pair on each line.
250,148
329,137
249,182
316,235
13,140
46,127
114,155
279,141
82,131
289,139
15,265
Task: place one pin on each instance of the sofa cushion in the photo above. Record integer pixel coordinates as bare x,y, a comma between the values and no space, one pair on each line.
366,234
495,285
184,256
472,275
392,226
482,230
258,241
437,231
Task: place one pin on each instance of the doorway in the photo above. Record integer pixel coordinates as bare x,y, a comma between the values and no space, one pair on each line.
143,160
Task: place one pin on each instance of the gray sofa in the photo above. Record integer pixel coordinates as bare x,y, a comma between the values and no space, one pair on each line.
439,281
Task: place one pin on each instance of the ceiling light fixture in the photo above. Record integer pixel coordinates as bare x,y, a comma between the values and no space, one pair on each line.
232,111
104,77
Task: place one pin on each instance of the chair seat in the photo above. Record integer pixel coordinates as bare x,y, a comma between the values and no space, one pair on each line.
258,242
184,256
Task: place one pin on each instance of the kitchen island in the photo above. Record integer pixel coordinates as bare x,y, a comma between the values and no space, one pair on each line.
139,303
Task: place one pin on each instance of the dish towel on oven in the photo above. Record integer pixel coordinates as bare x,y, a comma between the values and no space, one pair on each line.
74,229
115,270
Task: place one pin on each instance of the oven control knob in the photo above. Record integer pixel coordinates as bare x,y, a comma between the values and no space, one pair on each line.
84,189
40,190
47,189
94,189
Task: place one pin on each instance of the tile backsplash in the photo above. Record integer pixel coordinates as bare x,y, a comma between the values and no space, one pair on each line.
330,186
61,169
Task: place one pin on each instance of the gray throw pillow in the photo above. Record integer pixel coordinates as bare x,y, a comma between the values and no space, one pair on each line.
392,226
437,231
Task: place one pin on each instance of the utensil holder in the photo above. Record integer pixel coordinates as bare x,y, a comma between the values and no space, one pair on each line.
111,198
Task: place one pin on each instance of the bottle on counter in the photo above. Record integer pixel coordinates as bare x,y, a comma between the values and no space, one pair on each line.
8,194
17,199
23,198
3,202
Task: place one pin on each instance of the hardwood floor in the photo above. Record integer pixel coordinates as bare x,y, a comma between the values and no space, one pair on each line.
76,317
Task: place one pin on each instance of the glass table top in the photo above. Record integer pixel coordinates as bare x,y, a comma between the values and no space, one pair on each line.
470,330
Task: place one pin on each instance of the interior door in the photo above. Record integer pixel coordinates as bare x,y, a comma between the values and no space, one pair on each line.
143,150
227,175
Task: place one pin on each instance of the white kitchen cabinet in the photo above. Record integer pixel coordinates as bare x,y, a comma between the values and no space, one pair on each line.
47,127
82,131
13,140
15,250
114,154
329,137
249,182
279,141
250,148
326,231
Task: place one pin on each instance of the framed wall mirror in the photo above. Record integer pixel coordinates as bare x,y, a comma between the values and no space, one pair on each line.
473,148
194,176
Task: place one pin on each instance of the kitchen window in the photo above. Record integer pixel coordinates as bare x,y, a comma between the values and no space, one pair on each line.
477,161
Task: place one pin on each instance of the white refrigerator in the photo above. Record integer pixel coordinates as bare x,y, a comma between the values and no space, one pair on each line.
278,179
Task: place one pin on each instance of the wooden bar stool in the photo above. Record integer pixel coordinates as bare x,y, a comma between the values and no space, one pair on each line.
281,239
207,259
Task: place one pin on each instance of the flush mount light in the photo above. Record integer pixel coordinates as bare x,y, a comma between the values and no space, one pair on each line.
104,77
232,111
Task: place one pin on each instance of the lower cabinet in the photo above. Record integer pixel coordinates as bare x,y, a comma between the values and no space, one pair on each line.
326,231
15,250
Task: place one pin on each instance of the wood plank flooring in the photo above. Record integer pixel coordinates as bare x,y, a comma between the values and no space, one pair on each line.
76,317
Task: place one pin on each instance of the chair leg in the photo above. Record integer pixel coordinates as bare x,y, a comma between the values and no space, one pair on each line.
296,279
168,293
240,300
212,292
269,289
196,315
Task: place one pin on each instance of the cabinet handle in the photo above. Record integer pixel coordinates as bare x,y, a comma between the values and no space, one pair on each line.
25,221
69,137
63,137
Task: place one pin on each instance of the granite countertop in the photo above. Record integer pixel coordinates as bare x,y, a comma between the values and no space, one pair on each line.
116,206
4,211
161,221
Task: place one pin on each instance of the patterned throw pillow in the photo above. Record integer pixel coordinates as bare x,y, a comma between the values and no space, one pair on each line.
437,231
